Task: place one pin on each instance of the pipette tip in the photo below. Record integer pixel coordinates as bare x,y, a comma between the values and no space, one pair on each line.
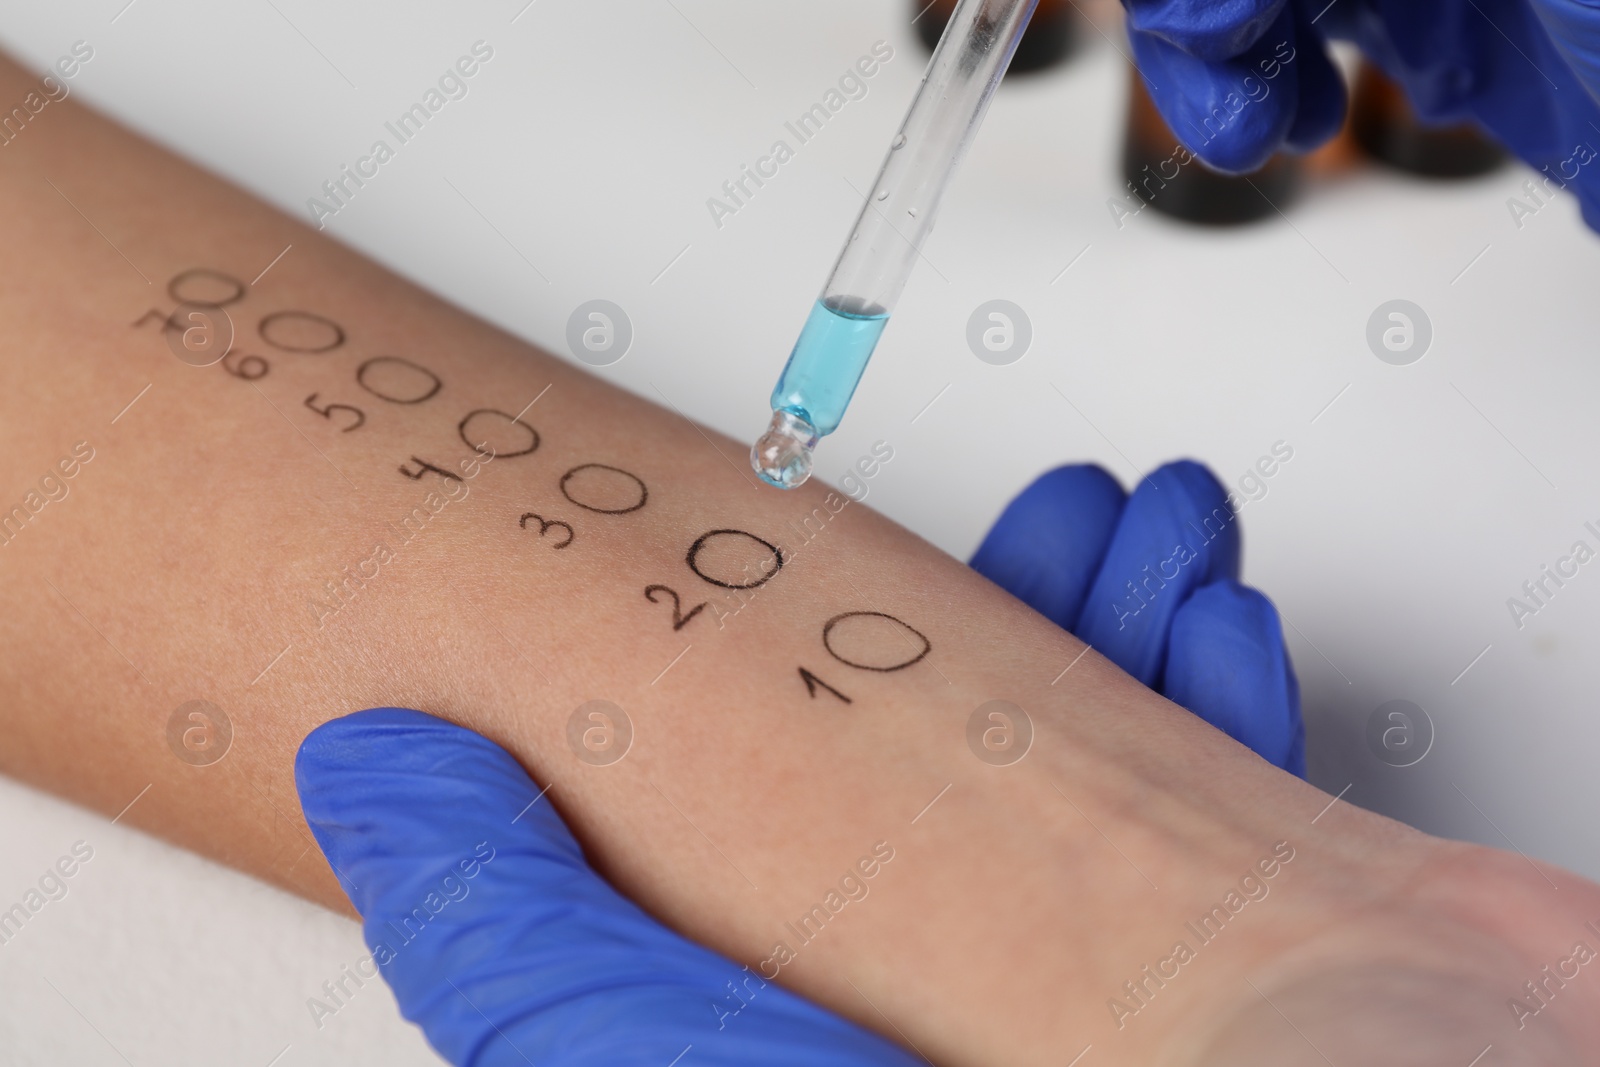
782,455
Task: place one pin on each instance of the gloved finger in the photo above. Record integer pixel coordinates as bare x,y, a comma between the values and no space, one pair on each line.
497,937
1319,112
1226,112
1564,45
1176,534
1210,30
1492,61
1527,72
1047,544
1228,665
1574,27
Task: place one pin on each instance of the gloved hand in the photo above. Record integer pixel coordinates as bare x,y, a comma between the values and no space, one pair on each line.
502,943
1151,581
1528,71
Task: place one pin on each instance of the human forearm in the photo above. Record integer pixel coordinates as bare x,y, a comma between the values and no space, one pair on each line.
208,548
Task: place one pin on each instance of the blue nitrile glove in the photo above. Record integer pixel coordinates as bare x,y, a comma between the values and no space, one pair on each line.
1239,79
1151,582
501,942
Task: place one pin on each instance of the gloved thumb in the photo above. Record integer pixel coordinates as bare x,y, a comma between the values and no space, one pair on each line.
497,937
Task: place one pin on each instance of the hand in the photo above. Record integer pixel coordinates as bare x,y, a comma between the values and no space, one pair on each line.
1151,582
1526,70
502,943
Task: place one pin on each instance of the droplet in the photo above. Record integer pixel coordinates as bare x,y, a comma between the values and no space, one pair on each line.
899,142
782,456
911,211
883,194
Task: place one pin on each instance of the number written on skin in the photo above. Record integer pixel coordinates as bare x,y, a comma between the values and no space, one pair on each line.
729,559
247,367
301,331
874,641
489,431
424,467
168,321
327,410
545,526
604,489
726,558
679,620
399,381
206,287
813,683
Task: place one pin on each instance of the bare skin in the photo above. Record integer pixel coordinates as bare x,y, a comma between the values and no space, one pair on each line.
191,558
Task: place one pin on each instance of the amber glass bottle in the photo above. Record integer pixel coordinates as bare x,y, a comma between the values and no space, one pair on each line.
1388,129
1170,179
1047,41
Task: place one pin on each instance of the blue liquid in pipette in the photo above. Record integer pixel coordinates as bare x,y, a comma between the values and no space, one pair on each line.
827,362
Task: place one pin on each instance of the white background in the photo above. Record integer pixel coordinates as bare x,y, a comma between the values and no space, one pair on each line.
1414,506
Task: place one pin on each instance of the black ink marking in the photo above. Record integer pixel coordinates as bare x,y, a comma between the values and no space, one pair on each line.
812,681
544,526
301,331
249,368
827,641
166,320
395,381
424,467
199,274
694,552
328,410
482,447
679,621
566,491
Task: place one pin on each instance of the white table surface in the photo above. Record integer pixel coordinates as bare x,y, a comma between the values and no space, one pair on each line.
1413,507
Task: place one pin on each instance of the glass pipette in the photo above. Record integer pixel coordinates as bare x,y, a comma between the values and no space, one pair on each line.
848,318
